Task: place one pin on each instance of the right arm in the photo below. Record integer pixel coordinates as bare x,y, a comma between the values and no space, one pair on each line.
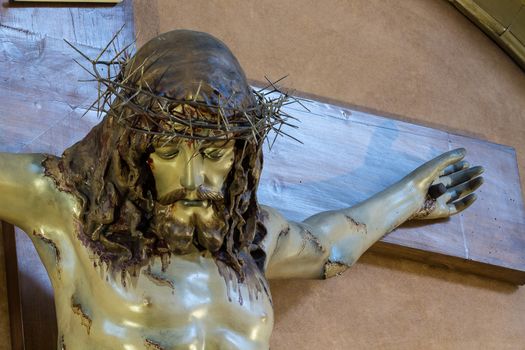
28,198
327,243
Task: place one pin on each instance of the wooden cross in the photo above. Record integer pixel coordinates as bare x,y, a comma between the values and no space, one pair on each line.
346,156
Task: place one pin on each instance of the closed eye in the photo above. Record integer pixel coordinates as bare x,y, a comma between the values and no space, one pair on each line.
169,154
213,153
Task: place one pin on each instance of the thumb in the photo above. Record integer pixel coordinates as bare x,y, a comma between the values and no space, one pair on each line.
429,171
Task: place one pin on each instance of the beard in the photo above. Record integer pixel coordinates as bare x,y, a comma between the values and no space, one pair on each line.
183,230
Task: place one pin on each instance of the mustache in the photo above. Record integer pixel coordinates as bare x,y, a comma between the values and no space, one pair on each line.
182,237
202,193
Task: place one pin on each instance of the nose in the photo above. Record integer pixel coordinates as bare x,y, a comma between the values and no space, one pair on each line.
192,176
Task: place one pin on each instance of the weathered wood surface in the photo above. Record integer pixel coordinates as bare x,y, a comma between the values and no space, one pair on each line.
72,1
347,155
40,99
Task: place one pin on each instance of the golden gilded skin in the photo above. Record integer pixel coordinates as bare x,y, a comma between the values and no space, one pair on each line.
188,305
167,282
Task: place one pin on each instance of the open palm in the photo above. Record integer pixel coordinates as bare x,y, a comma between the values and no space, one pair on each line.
450,183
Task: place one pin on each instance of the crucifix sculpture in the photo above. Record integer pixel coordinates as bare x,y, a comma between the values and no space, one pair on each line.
150,228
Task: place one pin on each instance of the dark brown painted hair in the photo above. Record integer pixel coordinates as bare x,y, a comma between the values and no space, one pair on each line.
107,170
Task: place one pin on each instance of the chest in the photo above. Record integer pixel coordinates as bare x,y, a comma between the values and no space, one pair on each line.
184,303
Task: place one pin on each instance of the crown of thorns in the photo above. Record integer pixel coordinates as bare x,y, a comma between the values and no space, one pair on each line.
140,109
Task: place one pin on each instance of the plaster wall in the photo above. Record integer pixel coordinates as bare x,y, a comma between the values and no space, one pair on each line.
420,61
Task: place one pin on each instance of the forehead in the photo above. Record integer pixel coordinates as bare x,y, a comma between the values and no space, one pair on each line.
164,141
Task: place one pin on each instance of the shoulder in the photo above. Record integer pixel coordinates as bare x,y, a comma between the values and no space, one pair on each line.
293,249
33,200
21,166
276,226
288,241
30,196
61,204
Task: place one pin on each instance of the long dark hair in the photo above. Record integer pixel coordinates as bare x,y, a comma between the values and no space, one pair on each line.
107,171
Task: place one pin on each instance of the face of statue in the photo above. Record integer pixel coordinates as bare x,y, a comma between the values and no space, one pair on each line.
190,178
189,199
190,166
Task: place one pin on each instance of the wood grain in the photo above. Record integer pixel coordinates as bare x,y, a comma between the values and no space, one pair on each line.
41,98
349,155
346,156
73,1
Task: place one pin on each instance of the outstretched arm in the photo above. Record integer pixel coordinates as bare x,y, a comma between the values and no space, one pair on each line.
28,198
438,188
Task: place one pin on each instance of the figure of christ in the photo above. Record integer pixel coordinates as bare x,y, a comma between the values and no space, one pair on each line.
150,229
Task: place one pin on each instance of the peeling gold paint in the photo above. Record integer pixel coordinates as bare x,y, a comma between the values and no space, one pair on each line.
360,227
85,320
152,345
308,237
62,343
284,232
158,279
146,302
53,246
311,238
428,207
334,268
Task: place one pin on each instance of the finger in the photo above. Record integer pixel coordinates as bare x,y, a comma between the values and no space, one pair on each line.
462,204
436,166
455,167
462,190
461,176
449,158
437,190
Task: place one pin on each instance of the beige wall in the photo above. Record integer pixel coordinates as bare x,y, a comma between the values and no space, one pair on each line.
420,61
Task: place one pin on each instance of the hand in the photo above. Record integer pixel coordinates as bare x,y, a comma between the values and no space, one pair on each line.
449,183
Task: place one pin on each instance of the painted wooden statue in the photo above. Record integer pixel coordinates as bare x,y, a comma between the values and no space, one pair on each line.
150,228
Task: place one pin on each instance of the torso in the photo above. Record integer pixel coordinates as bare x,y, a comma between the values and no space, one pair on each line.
186,305
189,305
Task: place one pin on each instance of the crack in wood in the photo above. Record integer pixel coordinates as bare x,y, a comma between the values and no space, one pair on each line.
19,30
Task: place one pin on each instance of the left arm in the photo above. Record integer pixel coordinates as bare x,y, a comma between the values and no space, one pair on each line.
327,243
